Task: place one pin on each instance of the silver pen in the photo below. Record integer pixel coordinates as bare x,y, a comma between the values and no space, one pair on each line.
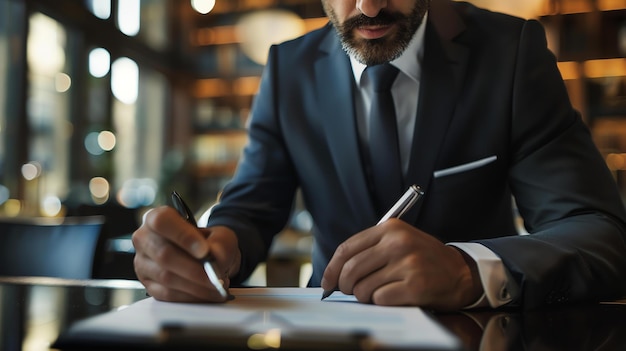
207,262
404,203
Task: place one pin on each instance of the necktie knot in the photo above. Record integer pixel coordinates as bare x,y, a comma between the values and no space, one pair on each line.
382,76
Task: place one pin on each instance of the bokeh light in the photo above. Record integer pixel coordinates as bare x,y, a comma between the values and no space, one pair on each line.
99,62
106,140
129,17
31,170
62,82
51,206
137,192
100,189
125,80
203,6
91,144
100,8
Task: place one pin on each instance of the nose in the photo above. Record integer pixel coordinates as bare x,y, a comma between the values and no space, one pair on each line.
370,8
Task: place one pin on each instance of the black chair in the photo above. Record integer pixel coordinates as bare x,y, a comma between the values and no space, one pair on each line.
114,252
49,247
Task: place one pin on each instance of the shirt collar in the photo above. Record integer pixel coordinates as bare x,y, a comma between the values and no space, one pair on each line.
406,63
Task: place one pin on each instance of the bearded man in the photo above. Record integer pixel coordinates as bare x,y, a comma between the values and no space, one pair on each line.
475,112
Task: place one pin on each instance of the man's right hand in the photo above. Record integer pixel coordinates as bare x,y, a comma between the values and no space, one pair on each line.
168,252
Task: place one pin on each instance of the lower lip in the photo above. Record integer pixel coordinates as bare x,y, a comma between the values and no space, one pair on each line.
374,33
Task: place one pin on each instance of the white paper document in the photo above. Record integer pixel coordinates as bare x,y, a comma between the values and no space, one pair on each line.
267,318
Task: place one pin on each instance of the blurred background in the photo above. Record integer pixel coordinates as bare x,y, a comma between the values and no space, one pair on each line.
125,100
106,106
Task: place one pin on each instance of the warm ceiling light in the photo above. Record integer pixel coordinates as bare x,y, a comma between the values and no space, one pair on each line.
203,6
99,62
525,8
129,17
125,80
257,31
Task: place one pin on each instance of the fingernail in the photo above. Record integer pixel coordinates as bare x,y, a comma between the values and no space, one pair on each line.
143,218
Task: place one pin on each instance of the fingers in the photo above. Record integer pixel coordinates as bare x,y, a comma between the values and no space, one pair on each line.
224,247
362,265
167,271
167,257
166,285
167,223
384,281
394,294
346,252
398,284
396,264
432,277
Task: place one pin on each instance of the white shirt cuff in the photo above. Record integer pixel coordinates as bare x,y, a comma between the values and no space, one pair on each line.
493,276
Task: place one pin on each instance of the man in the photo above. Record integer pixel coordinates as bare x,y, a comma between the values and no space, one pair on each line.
483,118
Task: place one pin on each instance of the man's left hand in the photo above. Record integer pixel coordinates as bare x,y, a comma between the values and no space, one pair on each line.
394,263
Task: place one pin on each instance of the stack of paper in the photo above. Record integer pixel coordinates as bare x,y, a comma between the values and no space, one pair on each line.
264,318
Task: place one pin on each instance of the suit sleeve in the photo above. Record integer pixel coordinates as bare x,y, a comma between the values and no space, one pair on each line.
257,202
566,195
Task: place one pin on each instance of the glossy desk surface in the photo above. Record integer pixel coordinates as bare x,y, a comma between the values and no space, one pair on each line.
35,311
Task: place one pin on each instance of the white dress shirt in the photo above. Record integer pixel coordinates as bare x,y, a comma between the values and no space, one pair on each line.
492,273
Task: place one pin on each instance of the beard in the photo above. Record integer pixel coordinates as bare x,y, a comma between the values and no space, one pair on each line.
376,51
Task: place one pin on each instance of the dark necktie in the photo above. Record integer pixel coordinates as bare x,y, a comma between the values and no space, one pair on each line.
384,153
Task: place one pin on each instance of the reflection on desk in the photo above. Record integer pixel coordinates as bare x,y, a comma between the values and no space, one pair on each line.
581,327
34,311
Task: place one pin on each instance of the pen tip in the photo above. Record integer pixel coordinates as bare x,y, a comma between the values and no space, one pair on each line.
326,294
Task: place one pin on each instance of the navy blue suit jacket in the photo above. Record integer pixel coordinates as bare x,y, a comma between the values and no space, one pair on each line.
490,87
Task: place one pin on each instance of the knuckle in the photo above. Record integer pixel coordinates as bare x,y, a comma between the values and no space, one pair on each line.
163,254
348,271
138,262
155,217
164,295
380,299
154,290
413,260
150,288
383,297
137,239
400,242
342,250
348,267
393,224
165,277
138,268
362,295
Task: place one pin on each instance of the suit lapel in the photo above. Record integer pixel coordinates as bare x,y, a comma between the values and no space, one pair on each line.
443,70
335,93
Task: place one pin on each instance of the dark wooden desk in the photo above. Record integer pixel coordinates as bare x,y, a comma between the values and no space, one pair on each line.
584,327
35,311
